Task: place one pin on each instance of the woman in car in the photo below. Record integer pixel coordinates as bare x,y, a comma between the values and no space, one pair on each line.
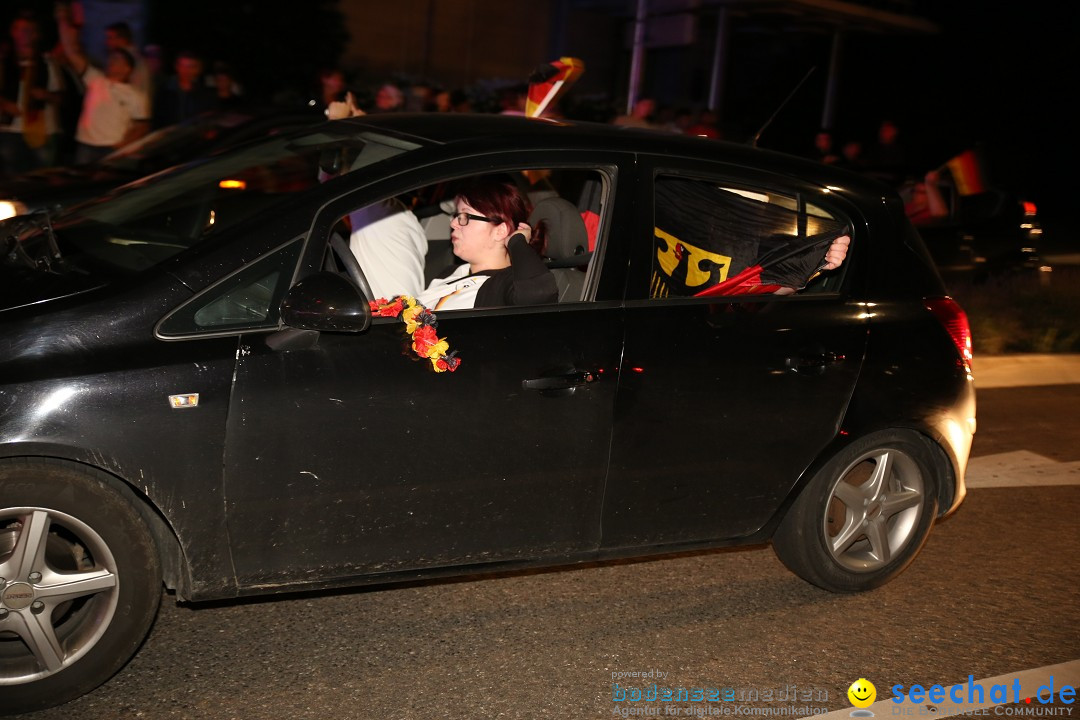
503,264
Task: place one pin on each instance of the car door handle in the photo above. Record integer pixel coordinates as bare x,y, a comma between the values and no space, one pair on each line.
810,362
560,382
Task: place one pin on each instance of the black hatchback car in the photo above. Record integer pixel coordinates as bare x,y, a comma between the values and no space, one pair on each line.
194,391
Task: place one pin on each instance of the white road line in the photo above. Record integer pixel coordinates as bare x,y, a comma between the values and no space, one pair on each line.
1023,369
1020,469
1031,681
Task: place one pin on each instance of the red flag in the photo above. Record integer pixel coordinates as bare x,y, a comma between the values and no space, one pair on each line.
550,81
748,282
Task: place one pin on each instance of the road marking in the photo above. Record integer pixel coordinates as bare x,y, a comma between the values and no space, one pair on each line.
1002,371
1066,673
1020,469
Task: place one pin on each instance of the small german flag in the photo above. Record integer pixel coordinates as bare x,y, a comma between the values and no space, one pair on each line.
549,81
967,172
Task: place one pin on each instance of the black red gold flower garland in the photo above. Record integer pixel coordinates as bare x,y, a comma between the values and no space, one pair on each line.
420,323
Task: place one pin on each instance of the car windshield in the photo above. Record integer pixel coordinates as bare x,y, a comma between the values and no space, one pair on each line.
172,144
146,222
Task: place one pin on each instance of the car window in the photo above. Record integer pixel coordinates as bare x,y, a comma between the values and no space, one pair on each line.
164,214
722,238
403,243
174,143
249,299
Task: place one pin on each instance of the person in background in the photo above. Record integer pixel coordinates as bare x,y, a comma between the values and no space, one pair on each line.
69,20
513,100
118,36
924,202
823,147
114,112
852,154
347,107
386,238
705,126
642,115
389,98
227,93
888,159
184,95
420,97
30,96
331,87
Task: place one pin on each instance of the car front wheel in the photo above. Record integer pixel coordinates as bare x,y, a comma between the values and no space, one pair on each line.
80,583
862,519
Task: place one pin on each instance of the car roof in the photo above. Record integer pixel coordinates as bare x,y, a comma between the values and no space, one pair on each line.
494,132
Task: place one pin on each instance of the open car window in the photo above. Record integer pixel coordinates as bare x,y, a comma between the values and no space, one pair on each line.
717,238
403,243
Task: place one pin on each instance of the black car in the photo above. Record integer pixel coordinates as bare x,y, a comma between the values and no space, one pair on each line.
58,187
992,233
195,392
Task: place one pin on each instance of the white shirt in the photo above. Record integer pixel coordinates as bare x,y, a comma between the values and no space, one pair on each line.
109,108
390,249
456,291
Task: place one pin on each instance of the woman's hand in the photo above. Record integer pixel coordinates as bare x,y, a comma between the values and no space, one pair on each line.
522,228
339,110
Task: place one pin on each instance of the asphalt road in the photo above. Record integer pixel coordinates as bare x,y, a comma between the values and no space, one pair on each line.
994,592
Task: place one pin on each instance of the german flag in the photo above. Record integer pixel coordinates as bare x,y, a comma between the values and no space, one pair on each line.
713,240
967,172
549,81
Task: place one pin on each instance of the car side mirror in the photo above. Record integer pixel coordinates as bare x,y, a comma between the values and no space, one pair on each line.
326,302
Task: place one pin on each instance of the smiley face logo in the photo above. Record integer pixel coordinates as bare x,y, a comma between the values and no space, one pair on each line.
862,693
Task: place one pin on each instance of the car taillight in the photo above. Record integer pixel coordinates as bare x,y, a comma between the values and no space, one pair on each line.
1029,208
953,318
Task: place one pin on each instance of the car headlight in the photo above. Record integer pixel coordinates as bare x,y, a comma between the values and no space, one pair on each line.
11,208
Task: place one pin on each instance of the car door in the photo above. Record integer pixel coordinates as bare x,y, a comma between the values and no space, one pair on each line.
724,401
352,456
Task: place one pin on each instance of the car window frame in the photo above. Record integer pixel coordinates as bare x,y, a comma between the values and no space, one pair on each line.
213,293
607,166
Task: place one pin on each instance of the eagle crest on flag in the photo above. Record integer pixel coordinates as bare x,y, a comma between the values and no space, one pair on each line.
712,240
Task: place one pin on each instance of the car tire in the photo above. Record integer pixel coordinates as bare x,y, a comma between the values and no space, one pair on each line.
81,587
864,516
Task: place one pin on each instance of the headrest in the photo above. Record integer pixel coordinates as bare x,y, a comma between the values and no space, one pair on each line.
566,233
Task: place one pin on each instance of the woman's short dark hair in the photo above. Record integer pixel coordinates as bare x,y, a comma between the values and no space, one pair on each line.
499,198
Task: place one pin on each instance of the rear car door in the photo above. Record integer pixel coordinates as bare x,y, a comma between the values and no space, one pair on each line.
724,401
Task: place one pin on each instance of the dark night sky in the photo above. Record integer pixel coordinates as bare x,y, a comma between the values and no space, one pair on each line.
996,77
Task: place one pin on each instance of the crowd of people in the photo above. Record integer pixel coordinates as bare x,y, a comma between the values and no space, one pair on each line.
924,192
59,106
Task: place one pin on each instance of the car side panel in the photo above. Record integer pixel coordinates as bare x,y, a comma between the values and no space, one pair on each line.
351,457
91,384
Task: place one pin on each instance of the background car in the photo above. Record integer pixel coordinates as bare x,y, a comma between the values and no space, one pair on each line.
991,233
196,393
57,187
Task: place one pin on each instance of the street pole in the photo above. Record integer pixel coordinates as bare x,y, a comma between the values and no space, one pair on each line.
637,56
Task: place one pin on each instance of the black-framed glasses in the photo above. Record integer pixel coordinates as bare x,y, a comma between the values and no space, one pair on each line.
463,218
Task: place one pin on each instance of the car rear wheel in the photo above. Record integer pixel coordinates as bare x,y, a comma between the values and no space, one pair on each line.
864,517
80,583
